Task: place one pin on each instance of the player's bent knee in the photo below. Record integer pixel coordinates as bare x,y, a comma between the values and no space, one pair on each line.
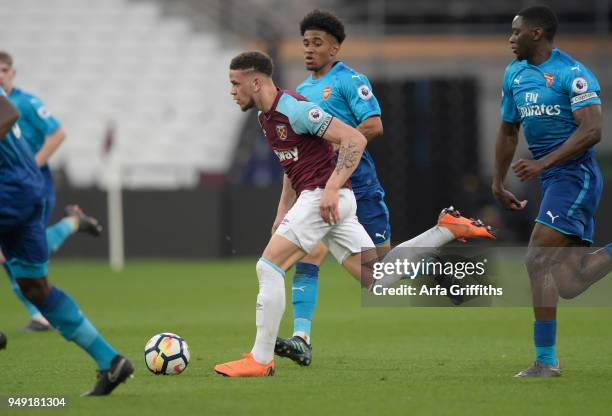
360,268
317,255
566,294
282,252
382,250
537,262
34,290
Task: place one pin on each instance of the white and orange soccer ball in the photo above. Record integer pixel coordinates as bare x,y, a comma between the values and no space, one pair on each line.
166,354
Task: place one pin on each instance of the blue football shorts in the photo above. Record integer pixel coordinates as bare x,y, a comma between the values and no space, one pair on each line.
373,214
23,242
571,194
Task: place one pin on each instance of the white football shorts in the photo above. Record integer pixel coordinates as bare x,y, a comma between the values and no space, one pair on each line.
304,226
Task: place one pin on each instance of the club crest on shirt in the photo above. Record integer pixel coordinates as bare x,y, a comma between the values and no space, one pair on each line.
580,85
550,78
326,92
364,92
281,131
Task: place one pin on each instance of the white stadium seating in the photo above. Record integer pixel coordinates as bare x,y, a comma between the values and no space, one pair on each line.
164,87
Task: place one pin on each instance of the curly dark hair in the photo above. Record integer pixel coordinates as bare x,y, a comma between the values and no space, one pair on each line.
325,21
253,60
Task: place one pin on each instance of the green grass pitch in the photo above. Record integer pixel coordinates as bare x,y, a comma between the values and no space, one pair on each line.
435,361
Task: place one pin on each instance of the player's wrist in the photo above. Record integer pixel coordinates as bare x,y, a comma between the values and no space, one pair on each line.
497,186
544,163
332,187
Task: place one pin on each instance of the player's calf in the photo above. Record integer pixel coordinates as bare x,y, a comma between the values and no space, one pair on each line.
35,290
64,314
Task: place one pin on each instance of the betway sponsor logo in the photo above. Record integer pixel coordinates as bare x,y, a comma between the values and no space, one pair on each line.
539,110
291,154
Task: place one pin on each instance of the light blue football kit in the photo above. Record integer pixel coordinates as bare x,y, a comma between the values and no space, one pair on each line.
543,98
36,123
347,95
21,207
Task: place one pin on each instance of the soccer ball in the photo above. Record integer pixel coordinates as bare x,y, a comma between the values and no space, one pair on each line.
167,354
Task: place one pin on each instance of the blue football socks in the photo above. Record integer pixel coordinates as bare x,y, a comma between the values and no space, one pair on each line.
304,293
64,314
57,234
544,334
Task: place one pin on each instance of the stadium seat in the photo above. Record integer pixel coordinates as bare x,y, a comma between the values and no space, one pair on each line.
161,84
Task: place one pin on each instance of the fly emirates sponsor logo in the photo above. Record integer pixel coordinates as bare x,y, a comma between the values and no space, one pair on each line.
290,154
531,108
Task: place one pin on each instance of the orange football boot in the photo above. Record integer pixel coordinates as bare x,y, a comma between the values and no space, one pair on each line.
246,367
464,228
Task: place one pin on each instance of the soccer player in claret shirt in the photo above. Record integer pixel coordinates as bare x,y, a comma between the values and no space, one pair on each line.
24,244
556,100
300,133
347,95
44,134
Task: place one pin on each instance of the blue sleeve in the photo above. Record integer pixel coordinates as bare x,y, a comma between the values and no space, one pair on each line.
509,112
39,116
357,91
582,87
305,117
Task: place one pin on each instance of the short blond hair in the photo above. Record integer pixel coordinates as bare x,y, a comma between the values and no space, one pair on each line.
6,58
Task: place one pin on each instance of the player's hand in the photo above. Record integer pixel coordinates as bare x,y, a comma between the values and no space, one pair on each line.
329,206
508,200
527,169
39,161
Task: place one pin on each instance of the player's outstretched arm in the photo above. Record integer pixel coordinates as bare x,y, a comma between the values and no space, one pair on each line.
351,144
287,199
50,146
371,128
8,116
588,133
505,147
